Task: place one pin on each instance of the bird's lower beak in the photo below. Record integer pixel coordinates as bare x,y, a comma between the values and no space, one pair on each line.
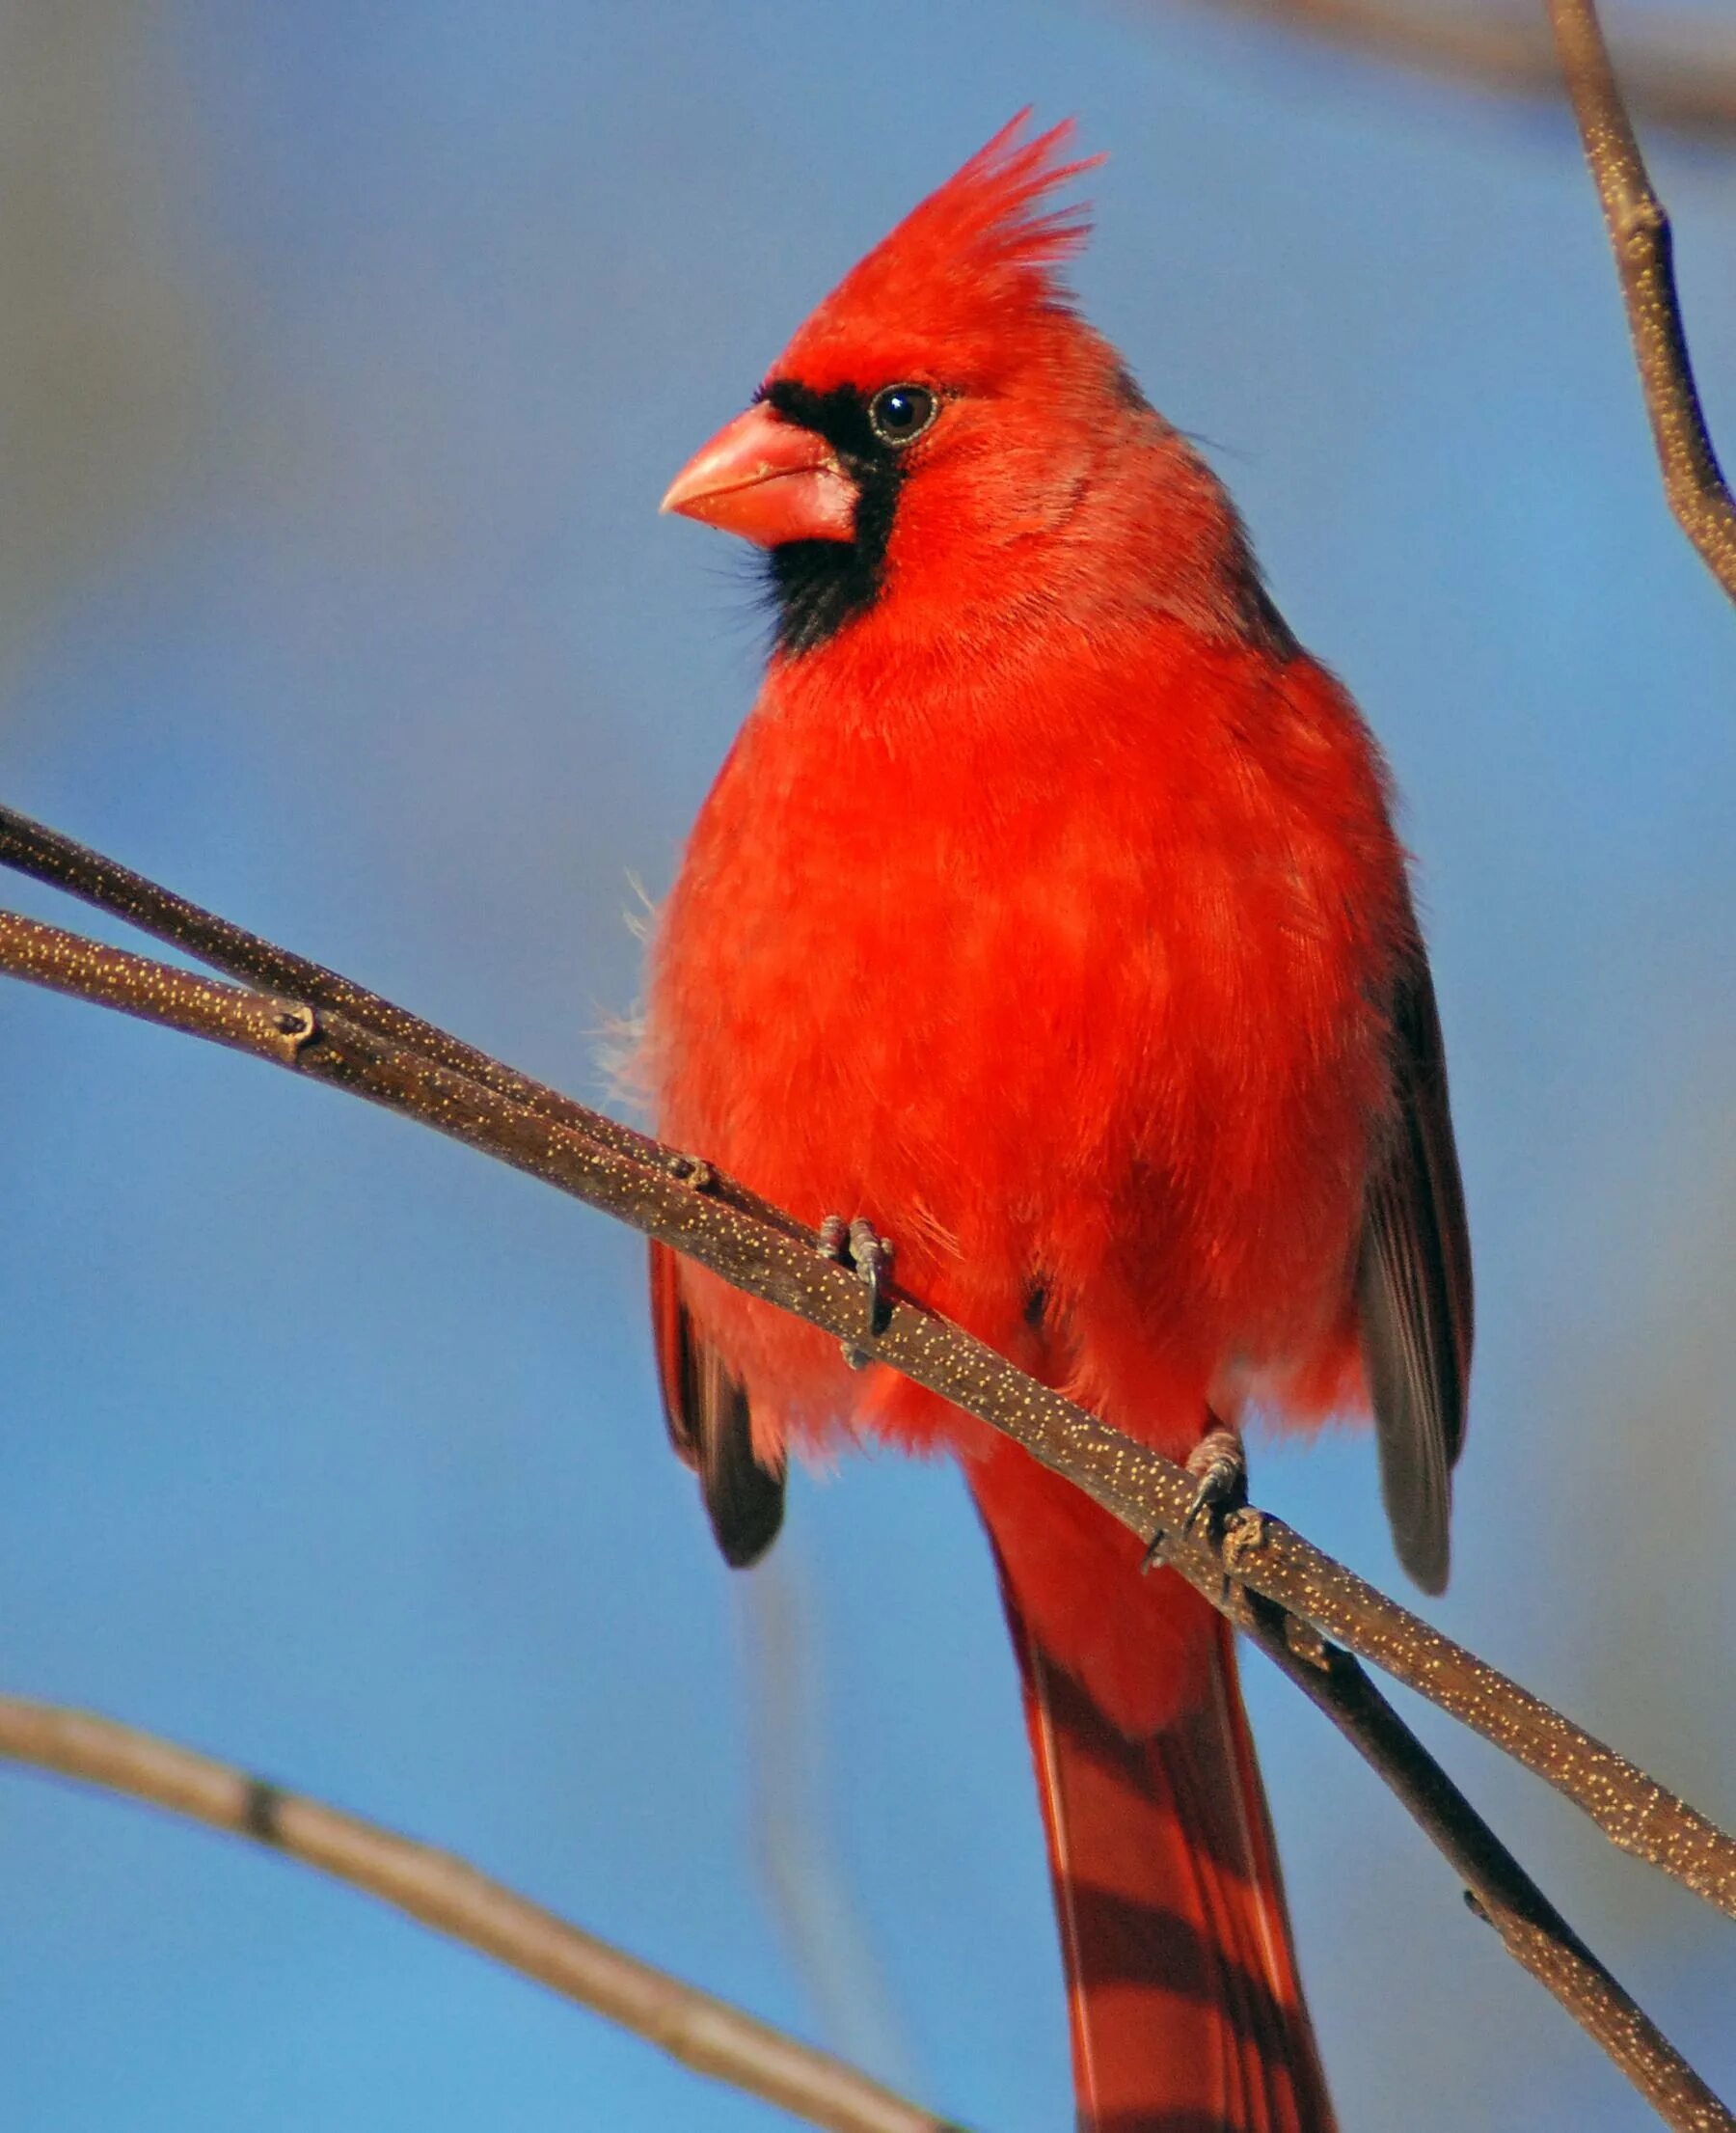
768,481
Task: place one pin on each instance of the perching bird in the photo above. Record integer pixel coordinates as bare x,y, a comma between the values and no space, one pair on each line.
1047,919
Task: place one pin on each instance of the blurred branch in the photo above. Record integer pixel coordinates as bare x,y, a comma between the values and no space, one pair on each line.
681,1200
1687,82
806,1888
108,309
441,1891
1640,238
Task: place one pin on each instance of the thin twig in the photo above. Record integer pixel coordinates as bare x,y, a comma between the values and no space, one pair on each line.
47,855
673,1199
640,1181
1497,1887
1640,239
1687,81
443,1892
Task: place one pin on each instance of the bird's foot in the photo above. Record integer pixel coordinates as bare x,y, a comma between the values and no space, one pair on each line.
858,1245
691,1170
1218,1463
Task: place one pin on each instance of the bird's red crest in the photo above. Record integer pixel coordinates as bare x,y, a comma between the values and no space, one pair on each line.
983,249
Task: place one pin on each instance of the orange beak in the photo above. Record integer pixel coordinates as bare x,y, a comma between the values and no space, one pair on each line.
768,481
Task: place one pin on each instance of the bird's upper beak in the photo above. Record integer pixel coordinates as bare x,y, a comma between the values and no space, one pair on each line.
768,481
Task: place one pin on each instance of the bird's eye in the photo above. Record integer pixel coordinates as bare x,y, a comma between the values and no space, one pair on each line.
901,413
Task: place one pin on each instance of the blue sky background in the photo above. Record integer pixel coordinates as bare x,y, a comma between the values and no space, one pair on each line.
350,349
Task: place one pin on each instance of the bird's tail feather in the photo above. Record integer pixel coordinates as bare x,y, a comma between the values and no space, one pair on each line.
1186,2010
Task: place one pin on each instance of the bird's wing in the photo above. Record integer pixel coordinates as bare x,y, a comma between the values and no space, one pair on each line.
1414,1289
710,1425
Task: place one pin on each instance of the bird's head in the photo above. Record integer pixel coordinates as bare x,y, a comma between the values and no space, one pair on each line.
944,414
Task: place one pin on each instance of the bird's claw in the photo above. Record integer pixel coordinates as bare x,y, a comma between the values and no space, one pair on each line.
1218,1464
871,1255
859,1247
691,1170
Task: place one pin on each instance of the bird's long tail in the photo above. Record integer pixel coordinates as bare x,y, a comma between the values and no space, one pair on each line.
1186,2011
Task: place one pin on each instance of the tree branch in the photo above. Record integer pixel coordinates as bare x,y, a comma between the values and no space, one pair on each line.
443,1892
1639,237
1687,83
1496,1888
681,1201
771,1255
44,854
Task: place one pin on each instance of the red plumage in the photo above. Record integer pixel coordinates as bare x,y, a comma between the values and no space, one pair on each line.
1047,912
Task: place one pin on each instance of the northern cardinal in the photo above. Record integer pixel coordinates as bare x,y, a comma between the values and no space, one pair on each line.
1047,920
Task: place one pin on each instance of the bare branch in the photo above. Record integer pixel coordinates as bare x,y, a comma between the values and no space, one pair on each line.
680,1200
443,1892
1686,81
1639,237
1496,1888
644,1184
47,855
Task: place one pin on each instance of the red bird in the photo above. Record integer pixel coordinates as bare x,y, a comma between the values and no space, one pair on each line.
1048,917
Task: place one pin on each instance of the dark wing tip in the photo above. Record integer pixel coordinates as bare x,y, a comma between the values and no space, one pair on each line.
1417,1495
745,1503
1414,1292
1429,1573
711,1425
